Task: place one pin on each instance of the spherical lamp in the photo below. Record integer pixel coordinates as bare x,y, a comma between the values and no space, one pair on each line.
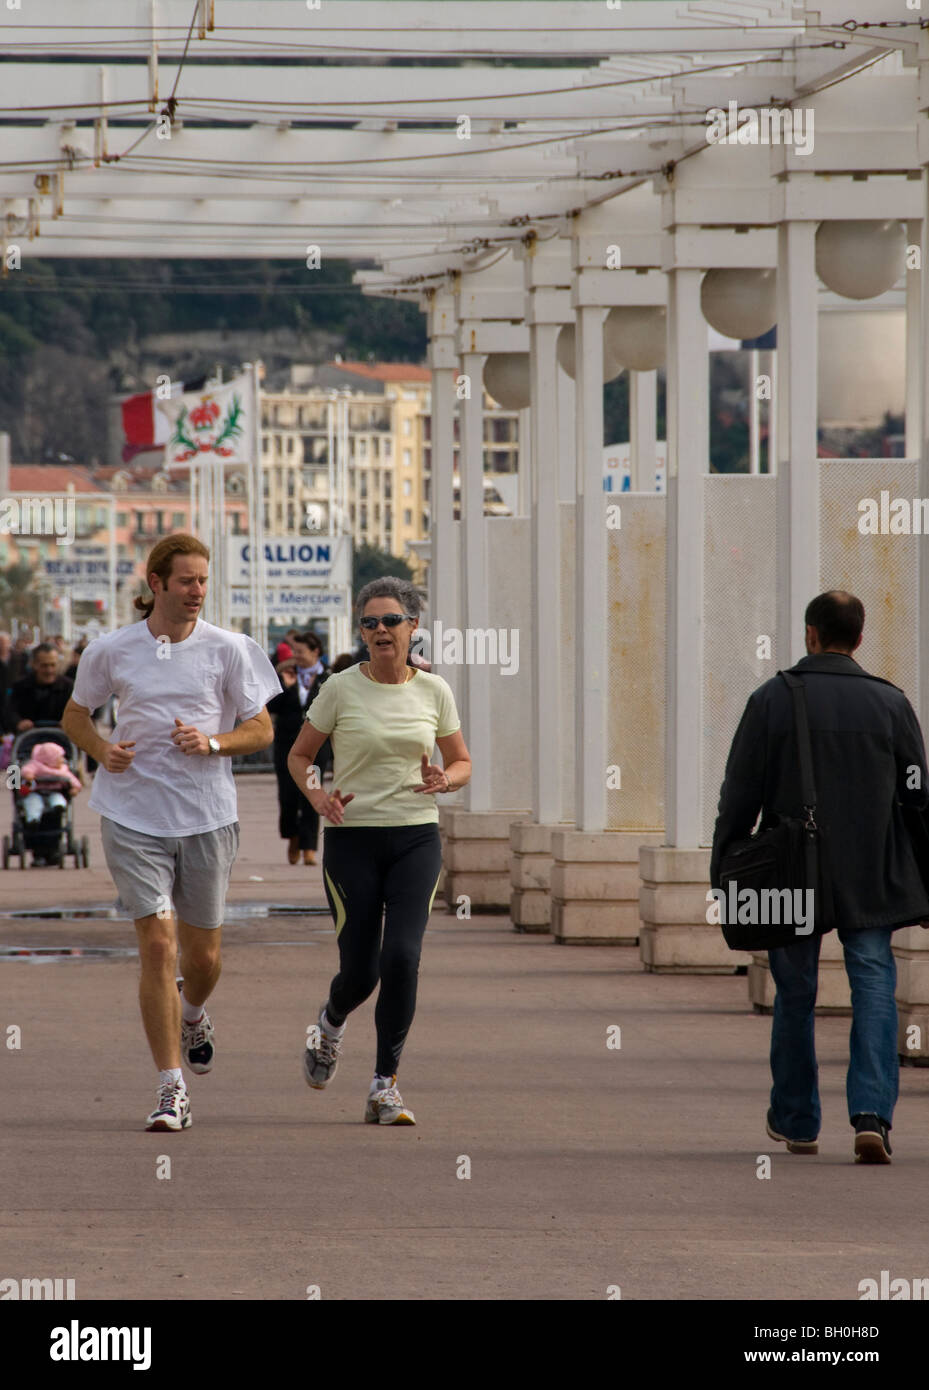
565,349
634,334
860,259
739,303
506,378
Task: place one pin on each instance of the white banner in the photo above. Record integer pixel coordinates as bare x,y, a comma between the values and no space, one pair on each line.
214,423
293,564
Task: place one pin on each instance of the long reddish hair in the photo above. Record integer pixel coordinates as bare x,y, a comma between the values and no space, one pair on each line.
161,561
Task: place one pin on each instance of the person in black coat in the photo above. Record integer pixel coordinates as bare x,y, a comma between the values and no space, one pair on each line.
41,695
302,677
869,761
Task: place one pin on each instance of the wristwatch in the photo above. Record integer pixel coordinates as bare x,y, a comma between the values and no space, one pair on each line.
214,746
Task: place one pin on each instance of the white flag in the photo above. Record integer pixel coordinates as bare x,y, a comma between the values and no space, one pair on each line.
214,423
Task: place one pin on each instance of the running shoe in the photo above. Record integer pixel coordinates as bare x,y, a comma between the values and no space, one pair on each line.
794,1146
872,1139
386,1107
173,1108
320,1063
197,1046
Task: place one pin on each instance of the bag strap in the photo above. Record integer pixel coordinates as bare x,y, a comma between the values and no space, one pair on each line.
807,782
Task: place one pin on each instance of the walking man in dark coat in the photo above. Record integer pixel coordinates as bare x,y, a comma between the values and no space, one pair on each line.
868,758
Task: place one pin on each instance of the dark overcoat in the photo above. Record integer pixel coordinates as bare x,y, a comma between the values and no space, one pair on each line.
868,757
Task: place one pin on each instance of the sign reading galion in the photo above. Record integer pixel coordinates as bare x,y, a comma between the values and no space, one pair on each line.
293,564
293,603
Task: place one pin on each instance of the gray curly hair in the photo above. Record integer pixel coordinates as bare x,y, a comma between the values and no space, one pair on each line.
409,597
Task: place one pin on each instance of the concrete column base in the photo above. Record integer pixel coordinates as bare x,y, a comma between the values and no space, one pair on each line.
595,885
911,948
833,994
531,876
476,858
675,936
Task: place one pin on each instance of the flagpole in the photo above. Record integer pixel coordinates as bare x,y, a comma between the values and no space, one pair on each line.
259,608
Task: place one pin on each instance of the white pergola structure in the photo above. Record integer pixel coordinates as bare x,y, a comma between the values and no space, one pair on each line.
510,202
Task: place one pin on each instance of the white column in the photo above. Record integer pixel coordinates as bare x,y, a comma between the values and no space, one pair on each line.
922,615
525,461
798,469
914,332
475,711
590,693
643,429
688,461
547,730
113,557
754,415
567,443
443,583
772,412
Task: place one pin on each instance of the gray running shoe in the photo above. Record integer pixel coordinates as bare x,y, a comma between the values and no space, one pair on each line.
386,1107
320,1063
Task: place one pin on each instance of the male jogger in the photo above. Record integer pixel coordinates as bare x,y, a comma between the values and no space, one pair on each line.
166,794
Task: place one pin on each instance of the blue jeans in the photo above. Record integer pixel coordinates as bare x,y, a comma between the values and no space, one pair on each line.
873,1070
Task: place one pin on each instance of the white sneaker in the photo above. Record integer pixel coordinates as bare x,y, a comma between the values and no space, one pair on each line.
386,1107
173,1108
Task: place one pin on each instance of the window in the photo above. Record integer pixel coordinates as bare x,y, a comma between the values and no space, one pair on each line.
160,523
407,487
177,521
291,518
122,518
407,517
267,522
362,448
407,458
290,444
388,448
407,426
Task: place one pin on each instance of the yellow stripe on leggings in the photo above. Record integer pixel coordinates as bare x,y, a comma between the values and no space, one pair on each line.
340,906
434,891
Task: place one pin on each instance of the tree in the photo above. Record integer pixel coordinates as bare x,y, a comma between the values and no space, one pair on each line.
371,563
19,597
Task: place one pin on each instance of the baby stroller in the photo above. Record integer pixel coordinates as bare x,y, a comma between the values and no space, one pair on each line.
52,838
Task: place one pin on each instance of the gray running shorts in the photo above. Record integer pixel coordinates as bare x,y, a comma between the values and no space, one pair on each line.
189,873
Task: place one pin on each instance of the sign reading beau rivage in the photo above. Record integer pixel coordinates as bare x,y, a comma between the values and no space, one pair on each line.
293,564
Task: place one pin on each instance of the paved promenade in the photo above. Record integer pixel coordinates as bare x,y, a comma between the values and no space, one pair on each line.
589,1166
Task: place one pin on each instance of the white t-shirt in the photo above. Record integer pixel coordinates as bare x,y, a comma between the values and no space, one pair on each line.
210,680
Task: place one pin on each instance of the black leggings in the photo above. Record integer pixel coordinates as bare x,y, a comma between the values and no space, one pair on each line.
370,871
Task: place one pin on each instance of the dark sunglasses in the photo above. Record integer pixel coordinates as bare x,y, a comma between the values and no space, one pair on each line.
388,619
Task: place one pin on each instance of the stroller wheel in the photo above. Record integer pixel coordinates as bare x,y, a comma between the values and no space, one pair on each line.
85,852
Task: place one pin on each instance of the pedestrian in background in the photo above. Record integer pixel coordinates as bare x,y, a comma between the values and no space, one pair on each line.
868,761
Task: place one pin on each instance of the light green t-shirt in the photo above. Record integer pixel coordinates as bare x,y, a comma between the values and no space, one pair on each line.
378,735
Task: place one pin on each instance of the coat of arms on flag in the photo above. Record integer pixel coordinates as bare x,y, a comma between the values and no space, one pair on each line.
209,424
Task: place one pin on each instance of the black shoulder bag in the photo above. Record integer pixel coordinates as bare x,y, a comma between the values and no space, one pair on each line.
775,887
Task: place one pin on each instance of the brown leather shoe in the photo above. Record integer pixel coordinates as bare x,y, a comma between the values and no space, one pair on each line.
309,856
293,849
